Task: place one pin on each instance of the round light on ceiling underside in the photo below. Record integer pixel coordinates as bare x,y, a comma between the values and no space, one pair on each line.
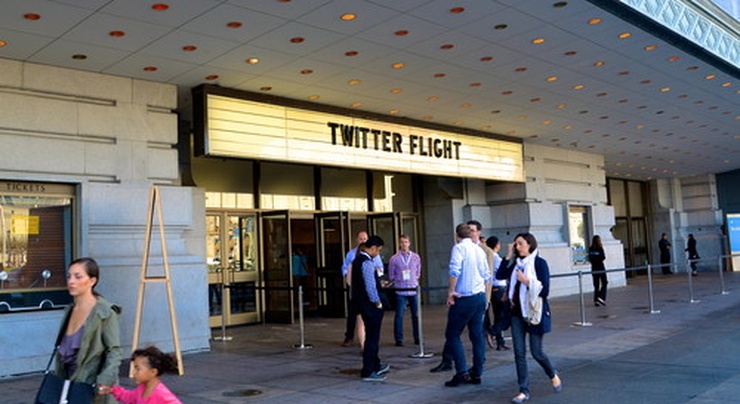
624,35
599,64
116,34
594,21
507,92
523,117
568,127
189,48
710,76
651,47
546,122
486,58
727,84
496,111
252,61
348,17
396,91
433,98
447,46
351,53
535,100
520,69
150,69
3,43
499,27
601,94
234,24
561,106
297,39
265,88
552,79
457,10
398,65
401,32
160,7
314,97
560,4
475,84
212,77
393,111
692,68
538,41
354,82
79,56
466,105
458,123
571,53
306,71
578,87
665,89
624,73
673,58
356,104
439,75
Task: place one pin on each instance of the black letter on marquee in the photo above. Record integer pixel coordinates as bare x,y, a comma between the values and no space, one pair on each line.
347,134
333,127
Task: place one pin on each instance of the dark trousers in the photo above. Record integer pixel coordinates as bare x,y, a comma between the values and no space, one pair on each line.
467,312
373,318
665,262
600,282
498,310
352,312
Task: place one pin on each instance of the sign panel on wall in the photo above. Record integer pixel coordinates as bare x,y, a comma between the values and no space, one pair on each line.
253,130
733,232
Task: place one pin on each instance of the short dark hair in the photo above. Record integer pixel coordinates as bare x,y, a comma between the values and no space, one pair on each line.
492,241
475,223
374,241
529,238
463,230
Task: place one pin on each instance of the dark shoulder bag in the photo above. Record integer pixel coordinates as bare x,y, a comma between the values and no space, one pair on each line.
56,390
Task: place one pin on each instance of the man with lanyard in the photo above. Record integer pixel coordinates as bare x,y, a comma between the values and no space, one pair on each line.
469,288
404,270
352,313
370,300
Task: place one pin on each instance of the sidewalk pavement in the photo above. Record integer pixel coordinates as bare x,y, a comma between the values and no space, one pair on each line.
687,353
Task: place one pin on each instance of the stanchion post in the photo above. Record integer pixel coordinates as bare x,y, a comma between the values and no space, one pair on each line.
583,322
223,337
650,290
691,283
421,353
722,276
303,344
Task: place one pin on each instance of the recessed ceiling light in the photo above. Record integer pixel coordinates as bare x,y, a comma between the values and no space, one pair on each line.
160,7
523,117
466,105
189,48
500,27
252,61
507,92
560,4
457,10
561,106
496,111
520,69
117,34
79,56
673,58
583,112
601,94
297,39
578,87
396,91
535,100
212,77
551,79
476,84
624,73
458,123
571,53
624,35
681,96
234,24
150,69
398,65
32,16
727,84
433,98
710,76
447,46
651,47
348,17
546,122
356,104
351,53
594,21
266,88
665,89
306,71
538,41
486,58
313,97
692,68
354,82
599,64
646,81
623,101
3,43
401,32
393,111
439,75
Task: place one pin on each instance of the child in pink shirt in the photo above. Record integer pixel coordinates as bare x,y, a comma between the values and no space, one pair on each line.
149,364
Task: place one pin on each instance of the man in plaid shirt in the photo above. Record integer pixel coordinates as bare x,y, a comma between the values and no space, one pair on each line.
404,269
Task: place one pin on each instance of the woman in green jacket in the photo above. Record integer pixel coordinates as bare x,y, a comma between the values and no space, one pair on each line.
90,349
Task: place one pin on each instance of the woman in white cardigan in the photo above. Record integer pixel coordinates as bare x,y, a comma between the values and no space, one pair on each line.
529,279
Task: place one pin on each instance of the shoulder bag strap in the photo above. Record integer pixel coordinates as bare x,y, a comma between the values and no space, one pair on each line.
59,339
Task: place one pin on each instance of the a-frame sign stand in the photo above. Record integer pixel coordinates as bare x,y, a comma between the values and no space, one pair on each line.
155,202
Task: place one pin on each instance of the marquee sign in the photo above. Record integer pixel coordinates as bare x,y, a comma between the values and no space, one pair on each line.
253,130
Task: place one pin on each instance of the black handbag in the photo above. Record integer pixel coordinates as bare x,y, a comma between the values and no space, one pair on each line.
56,390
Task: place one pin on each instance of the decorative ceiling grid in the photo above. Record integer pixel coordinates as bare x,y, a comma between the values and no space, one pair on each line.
652,113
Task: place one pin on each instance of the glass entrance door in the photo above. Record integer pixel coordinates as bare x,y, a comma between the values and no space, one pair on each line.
385,225
232,268
331,241
276,259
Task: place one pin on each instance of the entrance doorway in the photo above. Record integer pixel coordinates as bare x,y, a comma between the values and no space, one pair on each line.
232,268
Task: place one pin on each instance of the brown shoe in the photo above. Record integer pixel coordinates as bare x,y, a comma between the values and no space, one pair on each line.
347,342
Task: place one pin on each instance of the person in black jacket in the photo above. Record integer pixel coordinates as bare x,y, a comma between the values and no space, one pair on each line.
596,257
693,254
526,270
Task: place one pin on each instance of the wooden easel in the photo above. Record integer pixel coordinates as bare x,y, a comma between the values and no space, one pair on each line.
155,202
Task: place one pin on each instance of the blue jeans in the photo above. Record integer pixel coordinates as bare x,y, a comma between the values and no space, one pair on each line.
401,302
467,311
518,335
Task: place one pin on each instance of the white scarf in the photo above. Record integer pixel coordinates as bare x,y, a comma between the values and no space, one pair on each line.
526,264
